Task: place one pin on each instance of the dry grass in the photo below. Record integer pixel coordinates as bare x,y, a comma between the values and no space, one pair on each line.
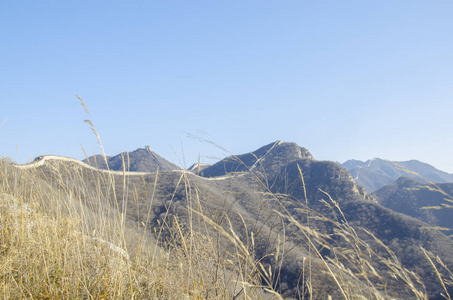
57,243
67,241
69,237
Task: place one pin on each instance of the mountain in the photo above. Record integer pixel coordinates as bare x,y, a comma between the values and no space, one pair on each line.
140,160
280,166
306,223
197,167
430,203
376,173
98,161
267,159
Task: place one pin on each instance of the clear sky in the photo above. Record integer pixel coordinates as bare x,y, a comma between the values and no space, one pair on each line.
345,79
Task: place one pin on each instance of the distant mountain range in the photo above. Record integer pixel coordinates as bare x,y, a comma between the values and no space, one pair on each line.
376,173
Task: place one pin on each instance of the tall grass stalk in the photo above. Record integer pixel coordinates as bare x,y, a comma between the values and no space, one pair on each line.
67,231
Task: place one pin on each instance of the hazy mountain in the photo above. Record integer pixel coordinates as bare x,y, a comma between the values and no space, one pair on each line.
376,173
287,208
140,160
426,202
197,167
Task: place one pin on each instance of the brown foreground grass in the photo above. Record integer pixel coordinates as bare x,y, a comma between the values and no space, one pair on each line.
53,245
58,243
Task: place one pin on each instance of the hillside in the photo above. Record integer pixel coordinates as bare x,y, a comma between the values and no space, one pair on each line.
277,168
139,160
268,159
376,173
430,203
302,226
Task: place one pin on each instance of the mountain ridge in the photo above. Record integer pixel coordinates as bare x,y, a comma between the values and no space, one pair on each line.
253,191
375,173
430,203
280,152
139,160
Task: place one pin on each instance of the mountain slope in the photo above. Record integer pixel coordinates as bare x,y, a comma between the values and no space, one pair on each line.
376,173
404,235
267,159
412,197
278,210
139,160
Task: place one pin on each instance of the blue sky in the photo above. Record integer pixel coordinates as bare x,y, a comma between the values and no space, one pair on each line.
345,79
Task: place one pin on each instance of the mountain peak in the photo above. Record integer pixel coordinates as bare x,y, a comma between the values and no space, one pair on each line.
267,159
139,160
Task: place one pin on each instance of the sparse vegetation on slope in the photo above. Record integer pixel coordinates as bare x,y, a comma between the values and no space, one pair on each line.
72,231
429,202
280,225
63,239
